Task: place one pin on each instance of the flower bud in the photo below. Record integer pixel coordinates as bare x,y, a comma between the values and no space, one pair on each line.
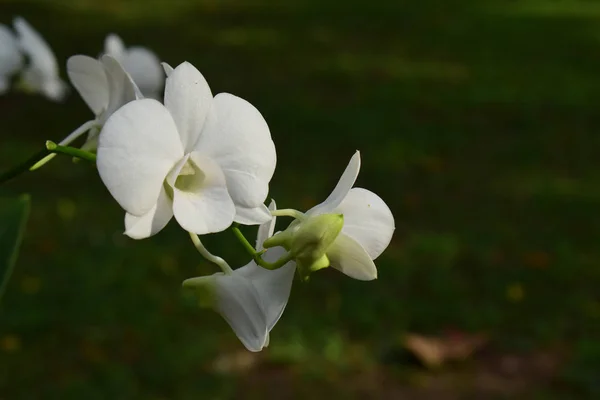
308,241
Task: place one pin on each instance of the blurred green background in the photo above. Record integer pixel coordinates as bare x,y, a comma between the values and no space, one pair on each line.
478,124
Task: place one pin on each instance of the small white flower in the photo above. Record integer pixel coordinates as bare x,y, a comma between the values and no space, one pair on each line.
251,299
11,59
207,161
104,86
141,63
368,226
42,73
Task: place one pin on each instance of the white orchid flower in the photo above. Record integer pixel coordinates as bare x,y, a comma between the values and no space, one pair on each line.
251,299
104,86
368,226
141,63
41,74
207,161
11,59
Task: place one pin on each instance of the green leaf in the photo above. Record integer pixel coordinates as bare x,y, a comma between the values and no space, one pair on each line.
13,218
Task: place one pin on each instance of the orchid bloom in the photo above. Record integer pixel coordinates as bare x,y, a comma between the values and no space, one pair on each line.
141,63
251,299
368,226
11,59
104,86
41,74
207,161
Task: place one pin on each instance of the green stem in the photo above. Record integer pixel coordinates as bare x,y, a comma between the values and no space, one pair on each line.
256,255
288,212
23,167
51,148
277,264
70,138
70,151
212,258
247,246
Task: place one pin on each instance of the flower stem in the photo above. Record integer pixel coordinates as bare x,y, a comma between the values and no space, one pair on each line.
277,264
51,148
70,138
70,151
247,246
214,259
256,255
288,212
23,167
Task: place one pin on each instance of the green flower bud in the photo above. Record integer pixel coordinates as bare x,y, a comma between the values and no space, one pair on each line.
308,241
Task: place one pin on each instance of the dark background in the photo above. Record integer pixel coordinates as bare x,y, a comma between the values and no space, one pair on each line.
478,125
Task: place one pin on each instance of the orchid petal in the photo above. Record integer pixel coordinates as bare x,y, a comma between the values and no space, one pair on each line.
189,99
368,220
238,138
239,304
54,88
348,256
252,216
153,221
273,287
266,230
88,76
36,48
138,147
203,205
122,89
11,59
114,46
167,68
341,189
145,69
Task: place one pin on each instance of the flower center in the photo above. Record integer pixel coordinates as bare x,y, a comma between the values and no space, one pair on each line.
190,178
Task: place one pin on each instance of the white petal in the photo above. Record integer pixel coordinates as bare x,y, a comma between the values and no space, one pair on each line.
207,208
238,138
252,216
114,46
153,221
88,76
54,89
137,148
188,98
168,69
238,302
368,220
122,90
273,287
41,55
11,59
347,256
266,230
145,69
341,189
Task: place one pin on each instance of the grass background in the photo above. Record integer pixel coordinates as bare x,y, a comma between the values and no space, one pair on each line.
478,124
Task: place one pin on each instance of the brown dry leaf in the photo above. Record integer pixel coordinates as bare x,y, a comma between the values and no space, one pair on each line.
434,351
